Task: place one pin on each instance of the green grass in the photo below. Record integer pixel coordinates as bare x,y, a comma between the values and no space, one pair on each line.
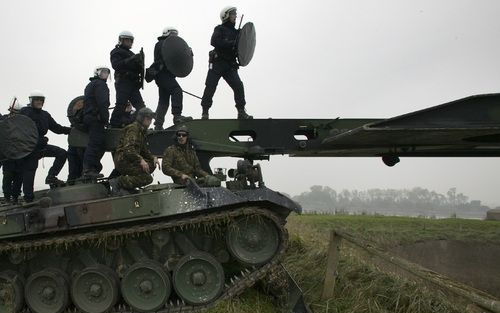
388,230
361,287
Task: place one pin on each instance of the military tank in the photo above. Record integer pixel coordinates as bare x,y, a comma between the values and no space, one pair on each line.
166,248
173,248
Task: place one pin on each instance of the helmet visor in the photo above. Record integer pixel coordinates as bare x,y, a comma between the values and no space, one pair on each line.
103,73
127,37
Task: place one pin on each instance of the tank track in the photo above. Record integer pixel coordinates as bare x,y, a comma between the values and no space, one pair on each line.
238,284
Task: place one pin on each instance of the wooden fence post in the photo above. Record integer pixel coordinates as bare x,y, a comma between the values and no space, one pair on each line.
331,265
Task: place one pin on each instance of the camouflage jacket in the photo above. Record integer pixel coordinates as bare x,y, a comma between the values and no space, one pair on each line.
133,145
178,160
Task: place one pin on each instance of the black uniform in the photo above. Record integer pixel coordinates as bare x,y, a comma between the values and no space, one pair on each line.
167,87
224,65
95,118
44,123
75,163
128,67
12,179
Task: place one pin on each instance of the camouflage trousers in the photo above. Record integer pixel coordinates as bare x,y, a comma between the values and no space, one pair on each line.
132,175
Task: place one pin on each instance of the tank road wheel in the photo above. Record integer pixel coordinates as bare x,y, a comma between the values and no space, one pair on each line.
46,291
198,278
95,289
11,292
252,240
146,286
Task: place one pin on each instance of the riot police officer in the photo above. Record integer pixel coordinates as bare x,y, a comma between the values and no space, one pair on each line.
95,118
167,85
44,123
222,63
12,169
128,68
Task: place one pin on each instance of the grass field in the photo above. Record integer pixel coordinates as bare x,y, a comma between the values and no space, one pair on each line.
361,287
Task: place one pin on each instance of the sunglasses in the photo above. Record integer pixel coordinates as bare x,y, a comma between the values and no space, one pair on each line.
181,135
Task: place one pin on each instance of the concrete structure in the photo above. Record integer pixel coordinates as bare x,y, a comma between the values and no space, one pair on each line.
493,215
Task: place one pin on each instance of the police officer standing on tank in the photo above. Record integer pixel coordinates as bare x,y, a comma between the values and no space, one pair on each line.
128,67
44,123
222,63
167,85
12,169
95,119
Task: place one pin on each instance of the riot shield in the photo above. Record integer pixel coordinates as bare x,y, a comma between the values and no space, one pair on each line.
75,111
177,56
143,70
246,44
18,137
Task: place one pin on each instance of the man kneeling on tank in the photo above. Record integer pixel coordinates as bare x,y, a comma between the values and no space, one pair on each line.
133,159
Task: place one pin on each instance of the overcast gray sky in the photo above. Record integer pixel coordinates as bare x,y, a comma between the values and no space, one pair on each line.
318,59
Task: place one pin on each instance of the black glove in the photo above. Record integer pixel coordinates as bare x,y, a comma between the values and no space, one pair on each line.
135,59
42,142
138,58
67,130
129,60
150,74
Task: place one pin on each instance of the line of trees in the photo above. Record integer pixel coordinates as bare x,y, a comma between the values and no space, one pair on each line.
416,201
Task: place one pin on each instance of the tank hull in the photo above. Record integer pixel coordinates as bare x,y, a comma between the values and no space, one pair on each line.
167,248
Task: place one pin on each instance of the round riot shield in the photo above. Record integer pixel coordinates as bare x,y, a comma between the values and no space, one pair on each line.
75,111
18,136
246,44
177,56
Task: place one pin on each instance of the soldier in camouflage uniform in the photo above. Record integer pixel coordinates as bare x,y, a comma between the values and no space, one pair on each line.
180,160
132,158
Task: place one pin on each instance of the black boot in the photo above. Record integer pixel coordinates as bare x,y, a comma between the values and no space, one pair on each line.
242,114
91,174
116,189
178,119
204,114
53,181
6,200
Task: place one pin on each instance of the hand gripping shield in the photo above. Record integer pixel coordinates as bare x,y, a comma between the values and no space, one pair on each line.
246,44
177,56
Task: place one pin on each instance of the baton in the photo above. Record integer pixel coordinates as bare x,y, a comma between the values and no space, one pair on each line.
184,91
241,20
13,103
